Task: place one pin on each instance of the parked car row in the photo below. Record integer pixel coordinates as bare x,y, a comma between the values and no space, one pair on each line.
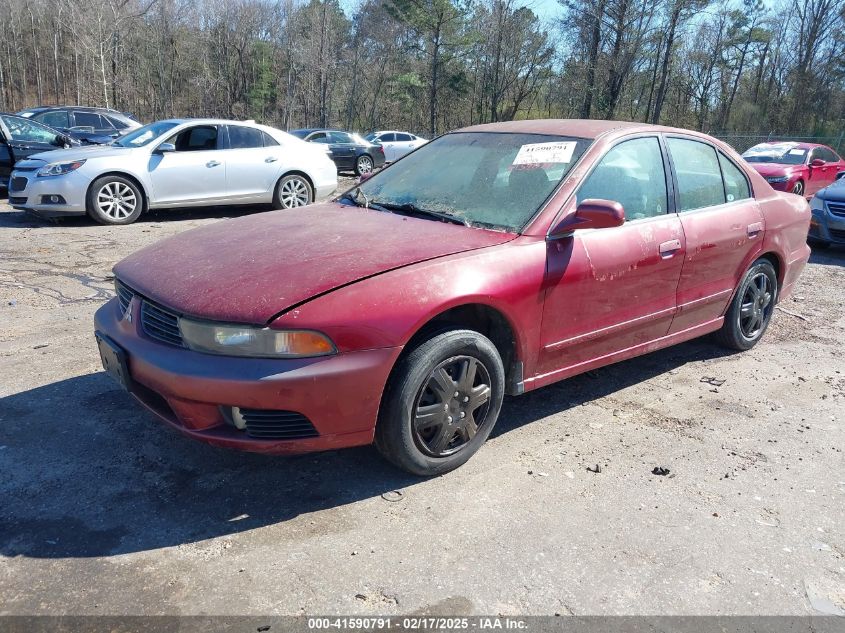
174,163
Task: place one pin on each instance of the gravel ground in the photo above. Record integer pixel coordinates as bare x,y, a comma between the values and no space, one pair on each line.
105,512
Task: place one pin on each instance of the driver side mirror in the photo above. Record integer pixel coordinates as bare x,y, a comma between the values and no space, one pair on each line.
817,162
165,148
592,213
61,140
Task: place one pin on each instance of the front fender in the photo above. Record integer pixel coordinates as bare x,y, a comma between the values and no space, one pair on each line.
388,309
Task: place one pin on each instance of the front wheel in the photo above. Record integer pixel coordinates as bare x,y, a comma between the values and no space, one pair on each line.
751,309
798,188
441,403
292,191
114,200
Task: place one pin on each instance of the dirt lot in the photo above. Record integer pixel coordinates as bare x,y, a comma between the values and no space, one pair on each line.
104,511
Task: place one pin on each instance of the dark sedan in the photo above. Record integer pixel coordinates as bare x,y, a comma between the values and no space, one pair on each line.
21,138
349,151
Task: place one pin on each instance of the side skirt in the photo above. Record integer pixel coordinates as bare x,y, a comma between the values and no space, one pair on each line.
638,350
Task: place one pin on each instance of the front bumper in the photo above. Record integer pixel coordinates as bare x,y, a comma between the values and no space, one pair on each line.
28,192
191,391
828,222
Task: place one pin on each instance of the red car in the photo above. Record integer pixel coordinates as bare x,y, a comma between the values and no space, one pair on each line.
493,260
800,168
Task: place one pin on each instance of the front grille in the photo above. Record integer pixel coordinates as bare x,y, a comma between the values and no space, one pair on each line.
16,201
124,296
837,234
276,425
18,183
837,208
160,324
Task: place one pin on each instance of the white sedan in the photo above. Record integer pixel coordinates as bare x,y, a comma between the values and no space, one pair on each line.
174,163
396,144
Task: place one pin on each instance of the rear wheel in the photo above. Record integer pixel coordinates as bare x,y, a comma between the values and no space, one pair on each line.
114,200
751,309
364,165
441,403
292,191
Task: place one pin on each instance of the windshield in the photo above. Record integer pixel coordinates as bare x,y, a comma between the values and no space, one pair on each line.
493,180
782,153
145,135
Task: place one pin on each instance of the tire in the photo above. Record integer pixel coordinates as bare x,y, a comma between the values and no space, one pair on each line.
751,309
422,383
798,188
292,191
364,164
114,200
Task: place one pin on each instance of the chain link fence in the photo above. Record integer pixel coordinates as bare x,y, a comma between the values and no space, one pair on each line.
741,141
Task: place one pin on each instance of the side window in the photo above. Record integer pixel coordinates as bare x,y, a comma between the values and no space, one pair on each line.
387,138
57,119
87,119
28,131
631,174
241,137
827,155
736,185
699,176
341,137
195,139
404,137
269,141
116,123
319,137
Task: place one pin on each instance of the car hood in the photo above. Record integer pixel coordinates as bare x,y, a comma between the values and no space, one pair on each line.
774,169
250,269
78,153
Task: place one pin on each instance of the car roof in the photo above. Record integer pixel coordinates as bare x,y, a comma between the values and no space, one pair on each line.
582,128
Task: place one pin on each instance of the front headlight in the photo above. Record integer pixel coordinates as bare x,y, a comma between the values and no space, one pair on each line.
244,340
777,179
60,169
817,204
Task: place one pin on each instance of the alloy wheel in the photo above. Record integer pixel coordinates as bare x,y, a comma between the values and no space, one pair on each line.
798,189
117,200
365,165
451,406
294,193
756,307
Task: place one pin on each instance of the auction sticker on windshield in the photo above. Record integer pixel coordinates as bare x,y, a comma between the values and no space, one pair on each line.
537,153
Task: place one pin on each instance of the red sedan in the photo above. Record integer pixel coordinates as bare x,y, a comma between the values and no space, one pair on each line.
494,260
800,168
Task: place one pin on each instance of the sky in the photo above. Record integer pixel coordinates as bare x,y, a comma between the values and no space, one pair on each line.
546,10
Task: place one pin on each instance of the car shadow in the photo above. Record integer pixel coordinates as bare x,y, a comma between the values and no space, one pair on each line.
89,473
23,218
834,255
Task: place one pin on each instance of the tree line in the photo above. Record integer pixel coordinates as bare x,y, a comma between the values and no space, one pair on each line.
433,65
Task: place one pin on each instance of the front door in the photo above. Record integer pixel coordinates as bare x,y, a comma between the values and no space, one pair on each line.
609,290
195,173
25,138
723,226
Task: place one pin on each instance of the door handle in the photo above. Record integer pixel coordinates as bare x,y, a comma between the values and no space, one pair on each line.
270,160
212,163
754,229
667,249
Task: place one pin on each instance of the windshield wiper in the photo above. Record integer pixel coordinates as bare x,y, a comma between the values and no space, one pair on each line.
411,209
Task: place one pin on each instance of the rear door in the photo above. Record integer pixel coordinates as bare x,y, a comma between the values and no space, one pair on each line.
610,290
195,173
344,147
404,145
723,227
252,163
